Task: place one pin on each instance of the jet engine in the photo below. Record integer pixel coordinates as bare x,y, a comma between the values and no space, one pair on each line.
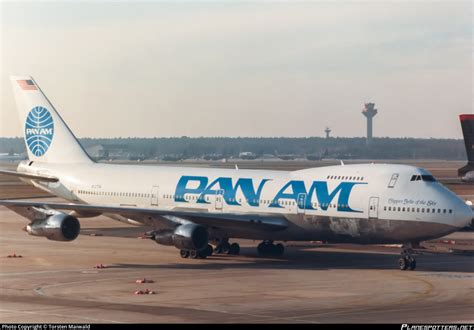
185,237
56,227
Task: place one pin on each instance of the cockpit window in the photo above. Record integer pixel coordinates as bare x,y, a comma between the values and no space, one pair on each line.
426,178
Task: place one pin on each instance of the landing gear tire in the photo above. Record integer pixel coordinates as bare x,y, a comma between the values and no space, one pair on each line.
234,249
279,249
412,264
225,248
193,254
407,261
184,253
202,254
267,248
262,249
402,263
208,250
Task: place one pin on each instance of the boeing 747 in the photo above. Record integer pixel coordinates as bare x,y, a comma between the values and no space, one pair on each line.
198,210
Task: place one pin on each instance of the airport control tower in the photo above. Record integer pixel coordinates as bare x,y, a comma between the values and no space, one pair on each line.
327,131
369,112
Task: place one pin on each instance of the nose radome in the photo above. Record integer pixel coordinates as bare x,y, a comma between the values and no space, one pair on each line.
463,215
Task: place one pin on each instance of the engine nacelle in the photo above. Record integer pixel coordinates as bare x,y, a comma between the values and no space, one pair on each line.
185,237
57,227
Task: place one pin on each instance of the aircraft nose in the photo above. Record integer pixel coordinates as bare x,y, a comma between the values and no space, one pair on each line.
464,215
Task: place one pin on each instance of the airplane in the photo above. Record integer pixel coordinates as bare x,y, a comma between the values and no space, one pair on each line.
198,210
467,124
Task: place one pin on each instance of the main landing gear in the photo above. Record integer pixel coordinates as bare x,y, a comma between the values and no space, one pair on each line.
194,254
407,261
224,247
267,248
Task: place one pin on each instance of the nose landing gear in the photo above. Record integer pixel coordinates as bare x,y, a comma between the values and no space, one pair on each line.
407,261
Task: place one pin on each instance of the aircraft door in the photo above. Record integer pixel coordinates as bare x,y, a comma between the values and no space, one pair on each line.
374,208
301,204
154,196
219,199
393,180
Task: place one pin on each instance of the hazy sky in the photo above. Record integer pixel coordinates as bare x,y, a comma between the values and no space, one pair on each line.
242,68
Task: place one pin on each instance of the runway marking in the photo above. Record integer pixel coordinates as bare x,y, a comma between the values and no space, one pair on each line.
59,315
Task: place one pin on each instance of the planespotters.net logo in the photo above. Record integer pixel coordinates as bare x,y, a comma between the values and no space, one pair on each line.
39,130
437,327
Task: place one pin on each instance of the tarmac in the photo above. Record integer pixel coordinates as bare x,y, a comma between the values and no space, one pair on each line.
57,282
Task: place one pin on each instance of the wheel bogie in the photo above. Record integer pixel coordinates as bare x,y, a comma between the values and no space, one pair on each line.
407,263
402,264
267,248
234,249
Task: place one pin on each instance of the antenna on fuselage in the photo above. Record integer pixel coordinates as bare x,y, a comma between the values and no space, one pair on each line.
342,163
236,167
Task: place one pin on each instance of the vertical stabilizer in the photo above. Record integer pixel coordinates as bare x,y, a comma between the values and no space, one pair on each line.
47,137
467,124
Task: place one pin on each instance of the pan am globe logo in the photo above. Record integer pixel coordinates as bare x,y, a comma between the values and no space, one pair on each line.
39,130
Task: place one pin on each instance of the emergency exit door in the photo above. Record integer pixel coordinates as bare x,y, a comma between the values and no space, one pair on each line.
219,199
374,208
301,204
154,196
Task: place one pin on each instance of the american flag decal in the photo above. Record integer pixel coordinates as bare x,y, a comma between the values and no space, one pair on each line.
27,85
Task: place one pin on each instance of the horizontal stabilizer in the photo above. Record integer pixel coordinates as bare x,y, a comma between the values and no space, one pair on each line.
30,176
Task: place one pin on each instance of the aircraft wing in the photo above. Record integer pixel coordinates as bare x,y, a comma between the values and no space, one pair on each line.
267,222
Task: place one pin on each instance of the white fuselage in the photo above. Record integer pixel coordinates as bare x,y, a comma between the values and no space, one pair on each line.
372,203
